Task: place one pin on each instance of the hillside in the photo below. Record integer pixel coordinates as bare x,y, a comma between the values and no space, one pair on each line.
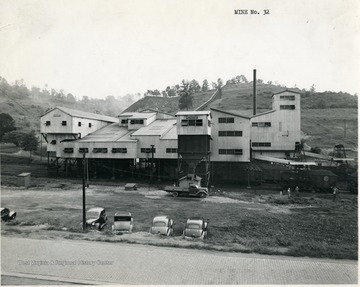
169,105
326,118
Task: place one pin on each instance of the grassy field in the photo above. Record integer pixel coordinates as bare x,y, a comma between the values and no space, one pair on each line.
240,219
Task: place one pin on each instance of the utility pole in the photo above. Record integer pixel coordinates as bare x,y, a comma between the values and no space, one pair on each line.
344,128
83,193
152,163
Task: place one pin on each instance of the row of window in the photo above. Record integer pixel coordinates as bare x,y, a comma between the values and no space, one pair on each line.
230,133
261,144
226,120
133,122
231,151
261,124
116,150
64,123
289,98
185,123
96,150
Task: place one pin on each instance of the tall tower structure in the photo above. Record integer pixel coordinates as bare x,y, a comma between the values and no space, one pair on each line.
194,135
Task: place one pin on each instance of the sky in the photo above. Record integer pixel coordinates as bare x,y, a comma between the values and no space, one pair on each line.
98,48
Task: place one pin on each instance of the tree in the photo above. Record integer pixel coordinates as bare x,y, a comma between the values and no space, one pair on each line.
313,88
70,98
185,101
30,142
156,93
7,124
14,137
170,92
205,86
219,83
194,86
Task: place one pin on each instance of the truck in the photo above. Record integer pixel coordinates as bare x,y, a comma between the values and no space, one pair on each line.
193,190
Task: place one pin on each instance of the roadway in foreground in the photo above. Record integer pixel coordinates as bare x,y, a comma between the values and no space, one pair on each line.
107,263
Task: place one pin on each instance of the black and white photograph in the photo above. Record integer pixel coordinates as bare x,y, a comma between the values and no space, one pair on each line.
179,142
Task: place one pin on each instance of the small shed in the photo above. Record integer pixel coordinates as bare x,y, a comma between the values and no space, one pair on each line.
131,186
185,181
24,179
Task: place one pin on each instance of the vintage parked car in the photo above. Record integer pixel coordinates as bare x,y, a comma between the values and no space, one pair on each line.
7,214
196,227
162,225
96,218
123,222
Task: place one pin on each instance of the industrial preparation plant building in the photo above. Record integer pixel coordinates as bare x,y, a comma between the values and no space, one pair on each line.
216,144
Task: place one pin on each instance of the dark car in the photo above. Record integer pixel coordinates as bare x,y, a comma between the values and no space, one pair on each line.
96,218
196,227
7,215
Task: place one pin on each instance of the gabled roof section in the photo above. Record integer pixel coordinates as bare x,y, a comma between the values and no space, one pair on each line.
137,115
156,128
156,111
171,134
85,115
287,90
192,113
110,133
230,113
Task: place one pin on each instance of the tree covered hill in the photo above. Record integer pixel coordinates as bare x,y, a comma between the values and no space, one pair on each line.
328,118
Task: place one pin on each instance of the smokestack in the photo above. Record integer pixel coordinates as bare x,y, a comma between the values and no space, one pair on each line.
254,96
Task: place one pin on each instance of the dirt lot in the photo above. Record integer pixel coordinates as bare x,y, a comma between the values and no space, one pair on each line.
240,219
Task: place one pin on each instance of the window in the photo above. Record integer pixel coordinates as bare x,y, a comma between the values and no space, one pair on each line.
231,151
185,123
226,120
90,125
289,98
209,123
47,123
68,150
230,133
79,124
171,150
119,150
53,142
137,122
83,150
287,107
261,144
261,124
100,150
147,150
63,123
124,121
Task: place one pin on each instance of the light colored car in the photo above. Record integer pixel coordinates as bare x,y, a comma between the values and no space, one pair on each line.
123,222
96,218
7,214
162,225
196,227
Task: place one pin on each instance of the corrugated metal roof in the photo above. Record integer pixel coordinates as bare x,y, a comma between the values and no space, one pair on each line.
156,128
137,115
110,133
296,92
190,113
81,114
231,112
171,134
